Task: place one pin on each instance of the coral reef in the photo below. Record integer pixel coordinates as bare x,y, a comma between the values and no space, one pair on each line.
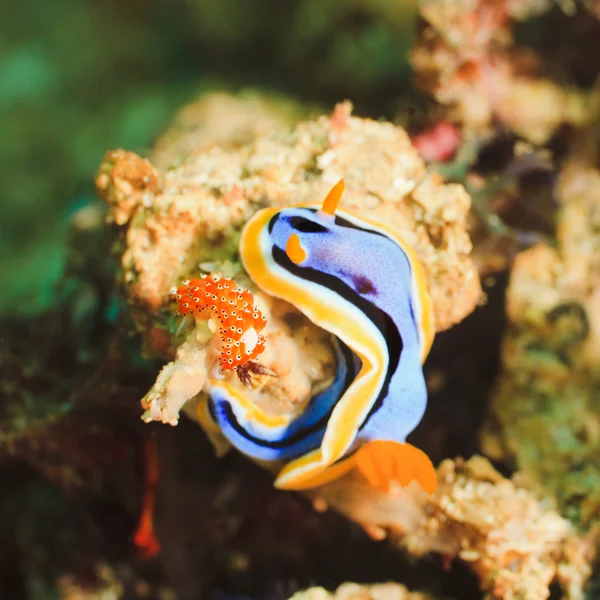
492,177
545,412
500,529
543,418
517,546
467,61
189,218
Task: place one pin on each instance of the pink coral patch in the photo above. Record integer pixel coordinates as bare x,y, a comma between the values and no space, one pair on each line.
438,143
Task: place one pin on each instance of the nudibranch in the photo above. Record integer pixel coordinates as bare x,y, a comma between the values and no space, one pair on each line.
232,316
361,282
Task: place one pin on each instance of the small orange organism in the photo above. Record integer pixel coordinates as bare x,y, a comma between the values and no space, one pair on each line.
230,308
145,538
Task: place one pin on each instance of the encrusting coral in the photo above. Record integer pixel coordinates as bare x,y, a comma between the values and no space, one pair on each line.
224,120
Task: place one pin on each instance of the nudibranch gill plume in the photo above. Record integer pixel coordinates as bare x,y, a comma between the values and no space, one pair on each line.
361,282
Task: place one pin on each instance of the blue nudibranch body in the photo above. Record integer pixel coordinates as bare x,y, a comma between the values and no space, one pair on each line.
362,283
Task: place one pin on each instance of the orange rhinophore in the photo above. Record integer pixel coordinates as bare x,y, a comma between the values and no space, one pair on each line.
239,320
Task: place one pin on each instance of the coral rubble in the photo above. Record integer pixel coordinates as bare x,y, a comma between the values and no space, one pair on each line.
353,591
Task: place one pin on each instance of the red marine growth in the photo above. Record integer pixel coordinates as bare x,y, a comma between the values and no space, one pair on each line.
239,321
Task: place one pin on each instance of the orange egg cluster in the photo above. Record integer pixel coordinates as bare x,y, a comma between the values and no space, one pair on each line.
240,322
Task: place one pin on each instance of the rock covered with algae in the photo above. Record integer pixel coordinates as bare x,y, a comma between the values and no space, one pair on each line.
546,409
186,220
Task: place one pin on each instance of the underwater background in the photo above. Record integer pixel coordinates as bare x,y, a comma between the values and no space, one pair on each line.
497,97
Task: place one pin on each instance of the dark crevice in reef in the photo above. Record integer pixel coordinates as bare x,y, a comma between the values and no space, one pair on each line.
461,370
254,541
